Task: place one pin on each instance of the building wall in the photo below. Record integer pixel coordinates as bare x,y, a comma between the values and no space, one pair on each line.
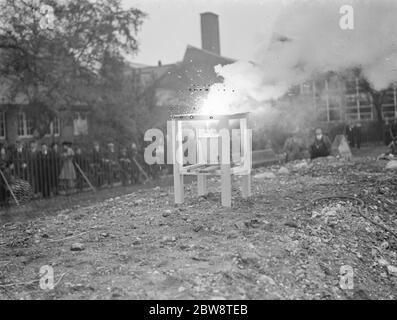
338,100
65,129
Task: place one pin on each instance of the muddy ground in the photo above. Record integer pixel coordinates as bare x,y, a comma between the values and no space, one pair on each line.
279,244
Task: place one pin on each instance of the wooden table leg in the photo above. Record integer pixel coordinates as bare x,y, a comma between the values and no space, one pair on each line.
246,186
178,161
226,186
201,184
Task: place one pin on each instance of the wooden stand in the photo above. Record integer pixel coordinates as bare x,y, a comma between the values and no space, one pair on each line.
206,165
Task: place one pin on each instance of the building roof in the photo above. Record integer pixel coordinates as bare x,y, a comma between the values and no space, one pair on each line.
188,81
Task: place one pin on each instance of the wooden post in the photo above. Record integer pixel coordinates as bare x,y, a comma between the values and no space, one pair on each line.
246,147
9,188
224,158
177,152
85,177
201,184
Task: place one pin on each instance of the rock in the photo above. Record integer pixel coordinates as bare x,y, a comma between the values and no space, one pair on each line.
138,202
331,222
137,241
266,279
382,262
340,147
300,165
384,245
331,212
265,175
283,170
233,235
391,165
240,225
300,274
166,213
167,239
291,224
77,246
392,270
197,228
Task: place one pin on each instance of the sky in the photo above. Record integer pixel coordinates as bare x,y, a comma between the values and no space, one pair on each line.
173,24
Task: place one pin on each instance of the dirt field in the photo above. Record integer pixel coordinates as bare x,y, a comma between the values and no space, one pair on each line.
279,244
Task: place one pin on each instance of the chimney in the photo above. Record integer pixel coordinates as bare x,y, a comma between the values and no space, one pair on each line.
210,32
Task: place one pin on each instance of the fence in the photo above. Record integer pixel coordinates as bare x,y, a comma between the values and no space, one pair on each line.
25,175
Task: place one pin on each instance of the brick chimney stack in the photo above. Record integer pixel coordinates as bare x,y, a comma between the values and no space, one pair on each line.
210,40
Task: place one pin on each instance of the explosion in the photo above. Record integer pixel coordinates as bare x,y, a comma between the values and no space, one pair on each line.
308,40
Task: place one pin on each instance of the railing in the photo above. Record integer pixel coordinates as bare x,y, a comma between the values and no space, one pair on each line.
28,175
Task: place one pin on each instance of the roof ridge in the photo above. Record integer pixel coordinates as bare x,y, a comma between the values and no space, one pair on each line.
209,52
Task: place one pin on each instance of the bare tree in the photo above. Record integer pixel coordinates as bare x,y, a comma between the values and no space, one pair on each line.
53,51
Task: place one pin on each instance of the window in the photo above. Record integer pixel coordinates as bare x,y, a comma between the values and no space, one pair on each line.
80,124
328,101
389,105
306,88
25,125
358,100
2,125
54,128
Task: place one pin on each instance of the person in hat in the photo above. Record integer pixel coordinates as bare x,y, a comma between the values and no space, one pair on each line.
134,156
97,165
125,167
321,147
56,166
111,164
67,176
44,161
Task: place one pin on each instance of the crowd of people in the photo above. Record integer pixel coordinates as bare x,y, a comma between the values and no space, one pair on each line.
296,148
42,170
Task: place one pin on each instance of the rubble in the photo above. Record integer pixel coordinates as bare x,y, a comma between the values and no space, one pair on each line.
392,270
283,170
391,165
279,244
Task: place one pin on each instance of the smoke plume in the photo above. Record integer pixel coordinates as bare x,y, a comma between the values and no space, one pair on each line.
308,40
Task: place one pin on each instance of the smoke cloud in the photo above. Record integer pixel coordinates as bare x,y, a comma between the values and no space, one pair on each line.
307,39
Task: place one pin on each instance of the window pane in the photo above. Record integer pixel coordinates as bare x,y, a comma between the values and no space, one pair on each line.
29,126
56,126
21,124
80,124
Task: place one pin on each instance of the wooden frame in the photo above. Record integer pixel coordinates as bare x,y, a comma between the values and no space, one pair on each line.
224,168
